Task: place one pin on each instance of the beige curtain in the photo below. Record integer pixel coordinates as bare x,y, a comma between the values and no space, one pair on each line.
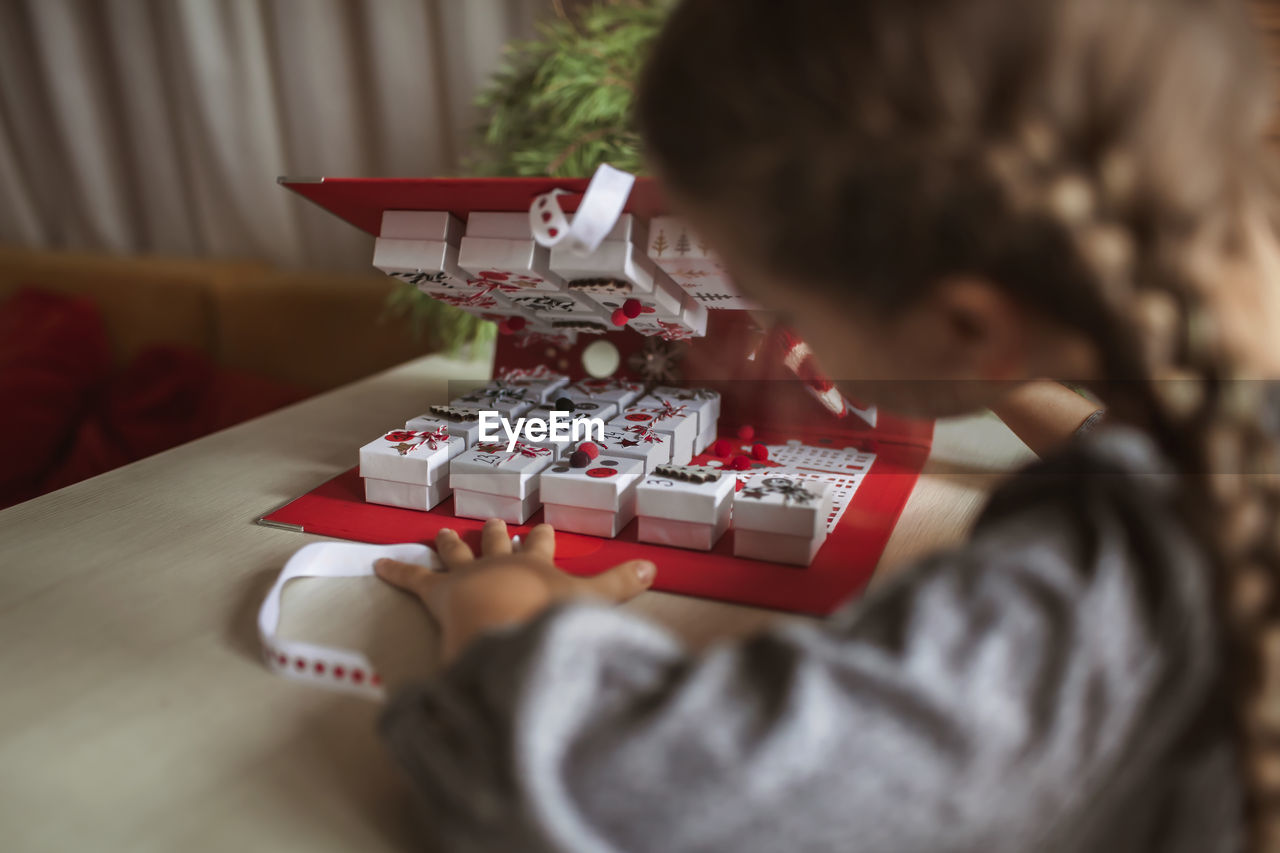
160,125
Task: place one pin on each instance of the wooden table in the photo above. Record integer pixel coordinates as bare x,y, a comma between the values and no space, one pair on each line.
135,714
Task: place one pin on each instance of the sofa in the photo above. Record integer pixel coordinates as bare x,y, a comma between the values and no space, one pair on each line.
105,359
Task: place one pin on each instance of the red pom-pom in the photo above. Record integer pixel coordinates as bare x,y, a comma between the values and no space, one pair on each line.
740,463
632,308
746,433
760,453
722,447
504,327
619,317
580,459
516,324
590,448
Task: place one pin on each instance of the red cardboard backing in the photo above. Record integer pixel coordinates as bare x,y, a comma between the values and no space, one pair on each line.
739,357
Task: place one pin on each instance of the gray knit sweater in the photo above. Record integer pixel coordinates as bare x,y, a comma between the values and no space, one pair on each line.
1050,686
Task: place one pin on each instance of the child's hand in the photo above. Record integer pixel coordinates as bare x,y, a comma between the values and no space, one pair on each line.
500,587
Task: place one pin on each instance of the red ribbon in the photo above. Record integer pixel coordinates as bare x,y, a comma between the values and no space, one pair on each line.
646,434
523,449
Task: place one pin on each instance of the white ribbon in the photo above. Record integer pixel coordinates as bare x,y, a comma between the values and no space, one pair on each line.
598,212
322,666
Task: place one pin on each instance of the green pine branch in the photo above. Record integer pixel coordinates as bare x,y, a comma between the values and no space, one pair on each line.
559,105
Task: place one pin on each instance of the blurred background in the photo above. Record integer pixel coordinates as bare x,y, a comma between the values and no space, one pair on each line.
155,282
138,126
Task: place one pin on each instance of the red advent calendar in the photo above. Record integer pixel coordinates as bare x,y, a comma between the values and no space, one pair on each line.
656,292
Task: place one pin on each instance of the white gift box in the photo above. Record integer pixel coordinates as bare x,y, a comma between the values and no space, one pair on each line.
687,258
684,534
421,247
468,504
788,506
597,500
703,403
603,523
648,446
540,389
584,405
668,493
405,495
621,392
684,506
607,483
492,469
500,247
437,225
573,326
463,422
431,266
552,307
775,547
509,402
691,322
673,420
418,457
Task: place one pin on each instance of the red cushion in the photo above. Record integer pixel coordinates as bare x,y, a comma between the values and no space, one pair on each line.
53,352
167,396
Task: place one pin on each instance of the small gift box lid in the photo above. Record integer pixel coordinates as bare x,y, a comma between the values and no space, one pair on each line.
537,388
687,493
419,457
494,470
786,505
508,402
636,442
699,399
621,392
599,485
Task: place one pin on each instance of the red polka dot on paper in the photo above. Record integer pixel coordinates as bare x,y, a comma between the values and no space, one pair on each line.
300,664
357,675
546,217
722,447
746,433
637,416
319,668
542,204
553,231
760,453
339,672
375,679
282,659
601,472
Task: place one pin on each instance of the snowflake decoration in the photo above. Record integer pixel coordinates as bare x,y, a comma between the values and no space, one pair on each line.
657,362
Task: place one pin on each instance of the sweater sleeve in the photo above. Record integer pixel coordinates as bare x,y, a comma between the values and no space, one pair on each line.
990,698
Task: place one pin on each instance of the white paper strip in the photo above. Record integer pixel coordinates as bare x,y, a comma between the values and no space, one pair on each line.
598,212
323,666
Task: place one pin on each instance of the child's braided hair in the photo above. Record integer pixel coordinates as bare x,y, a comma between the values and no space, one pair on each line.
1103,161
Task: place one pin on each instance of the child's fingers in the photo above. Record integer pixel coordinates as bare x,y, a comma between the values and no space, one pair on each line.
407,576
494,539
540,542
453,552
622,582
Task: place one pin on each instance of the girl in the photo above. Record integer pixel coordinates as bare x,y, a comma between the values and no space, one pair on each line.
943,196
